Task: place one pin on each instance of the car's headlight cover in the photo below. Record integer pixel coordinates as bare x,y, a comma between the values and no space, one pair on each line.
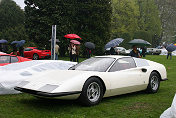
48,88
23,83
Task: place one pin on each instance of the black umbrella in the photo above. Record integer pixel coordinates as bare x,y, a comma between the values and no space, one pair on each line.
90,45
57,40
171,48
20,43
3,41
114,42
14,42
139,42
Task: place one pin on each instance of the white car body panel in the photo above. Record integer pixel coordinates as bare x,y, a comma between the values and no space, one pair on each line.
116,83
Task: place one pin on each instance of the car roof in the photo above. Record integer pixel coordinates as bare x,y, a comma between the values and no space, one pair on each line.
112,56
4,54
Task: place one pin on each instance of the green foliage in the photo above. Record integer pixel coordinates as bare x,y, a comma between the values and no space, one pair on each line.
11,21
88,19
143,35
150,20
124,20
10,15
135,17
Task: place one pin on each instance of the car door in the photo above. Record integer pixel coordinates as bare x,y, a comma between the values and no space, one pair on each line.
28,52
125,77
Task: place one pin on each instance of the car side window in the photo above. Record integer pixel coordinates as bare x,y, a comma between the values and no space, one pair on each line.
14,59
27,49
4,59
123,64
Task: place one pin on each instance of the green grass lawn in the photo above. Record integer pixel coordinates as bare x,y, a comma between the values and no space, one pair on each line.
133,105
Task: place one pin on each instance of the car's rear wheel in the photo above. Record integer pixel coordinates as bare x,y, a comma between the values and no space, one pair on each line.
35,56
92,92
154,83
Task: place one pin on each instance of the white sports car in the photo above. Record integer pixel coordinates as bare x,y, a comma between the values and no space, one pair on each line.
97,77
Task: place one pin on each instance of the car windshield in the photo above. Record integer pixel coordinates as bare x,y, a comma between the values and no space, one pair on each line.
99,64
4,59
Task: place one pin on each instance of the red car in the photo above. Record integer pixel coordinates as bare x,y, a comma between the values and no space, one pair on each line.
35,53
6,59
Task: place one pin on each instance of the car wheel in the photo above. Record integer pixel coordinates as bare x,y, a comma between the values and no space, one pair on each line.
92,92
154,83
35,56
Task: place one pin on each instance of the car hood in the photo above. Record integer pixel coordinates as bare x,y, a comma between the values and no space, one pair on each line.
58,76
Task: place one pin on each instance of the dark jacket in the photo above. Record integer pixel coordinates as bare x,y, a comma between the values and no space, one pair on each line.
133,54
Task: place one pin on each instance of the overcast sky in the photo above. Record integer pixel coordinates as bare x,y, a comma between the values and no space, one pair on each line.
20,3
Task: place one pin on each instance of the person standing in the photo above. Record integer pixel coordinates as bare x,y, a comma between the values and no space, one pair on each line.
144,49
70,51
14,49
56,51
169,54
112,51
21,51
77,53
88,52
135,52
74,52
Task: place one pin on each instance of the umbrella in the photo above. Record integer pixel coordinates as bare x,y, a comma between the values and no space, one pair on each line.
20,43
3,41
14,42
57,40
139,42
72,36
171,48
75,42
114,42
90,45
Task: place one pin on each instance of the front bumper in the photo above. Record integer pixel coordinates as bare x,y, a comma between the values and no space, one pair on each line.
45,94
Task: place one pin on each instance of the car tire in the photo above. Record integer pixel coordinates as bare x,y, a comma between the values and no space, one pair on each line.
154,83
92,92
35,56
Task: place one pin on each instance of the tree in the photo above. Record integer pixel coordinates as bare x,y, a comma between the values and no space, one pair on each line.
87,18
130,18
10,14
11,21
167,12
149,20
124,20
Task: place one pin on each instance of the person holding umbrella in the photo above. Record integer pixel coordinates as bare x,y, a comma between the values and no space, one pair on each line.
21,51
89,47
135,52
169,54
170,48
3,45
77,53
137,42
14,49
70,51
74,52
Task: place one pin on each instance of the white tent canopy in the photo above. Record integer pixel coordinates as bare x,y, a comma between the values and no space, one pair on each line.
13,74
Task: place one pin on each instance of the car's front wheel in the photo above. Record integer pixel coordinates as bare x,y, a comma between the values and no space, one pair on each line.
92,92
35,56
154,83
